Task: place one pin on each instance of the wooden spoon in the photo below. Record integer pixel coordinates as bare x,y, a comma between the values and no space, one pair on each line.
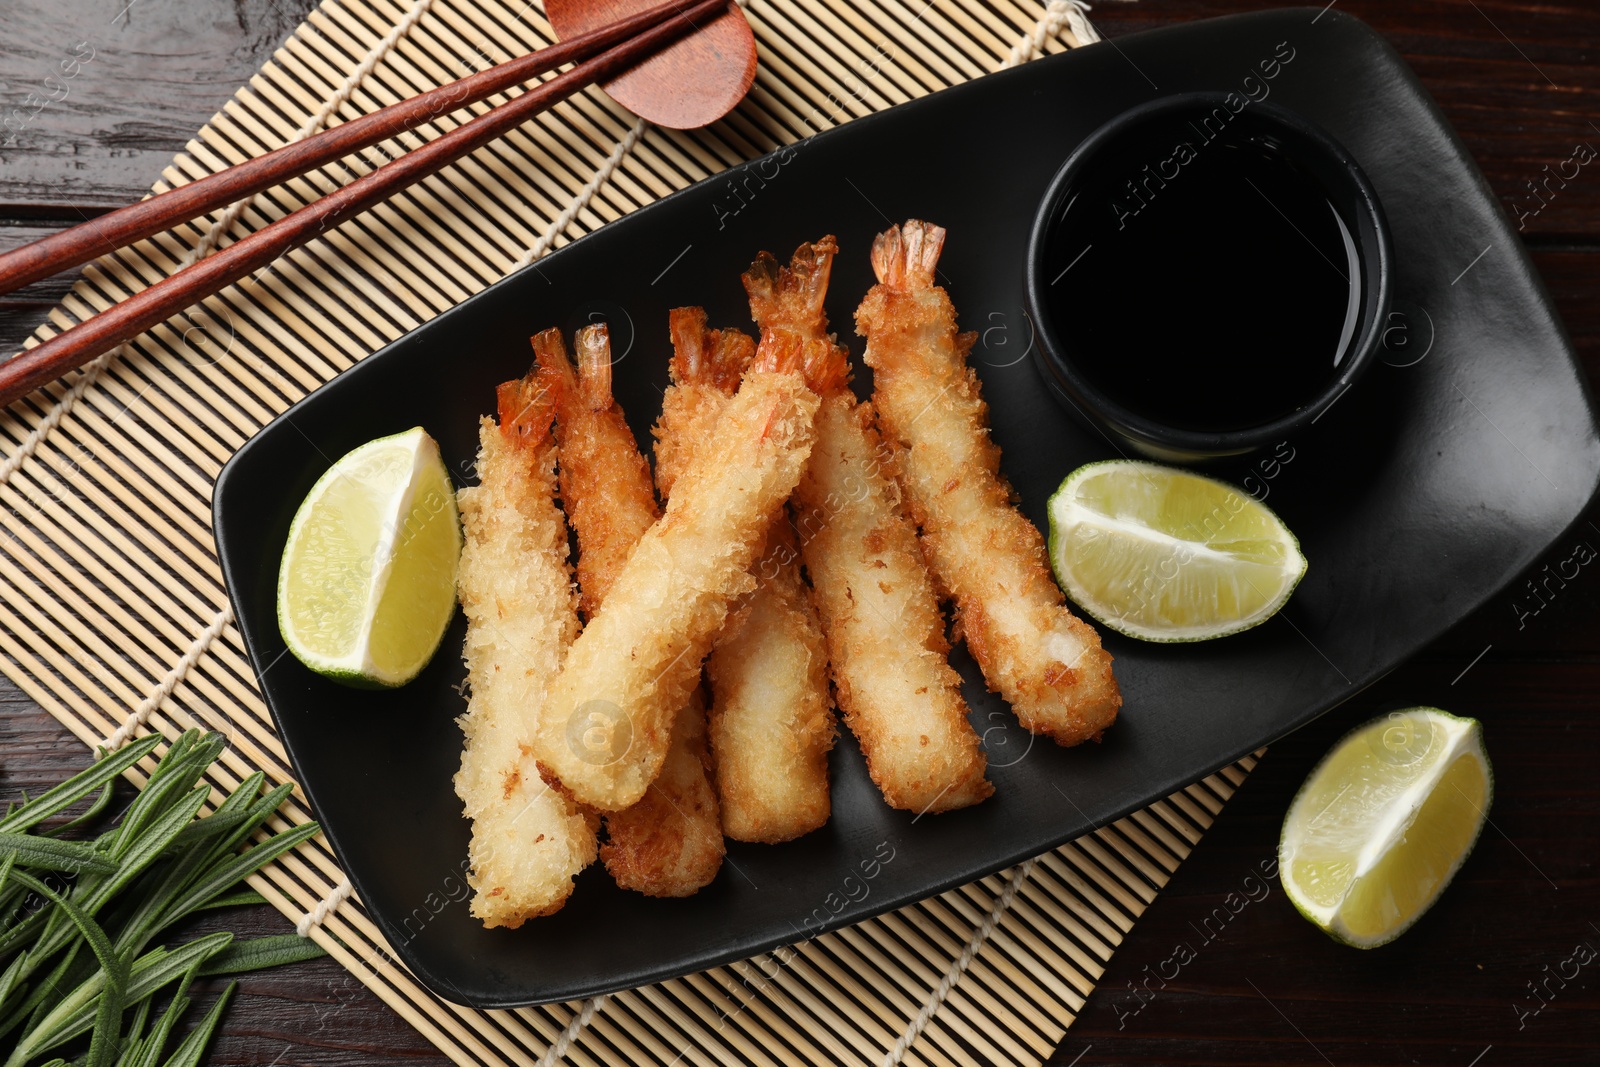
690,84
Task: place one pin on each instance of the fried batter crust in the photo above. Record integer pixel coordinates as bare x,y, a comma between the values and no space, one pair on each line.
528,841
1035,653
669,844
611,708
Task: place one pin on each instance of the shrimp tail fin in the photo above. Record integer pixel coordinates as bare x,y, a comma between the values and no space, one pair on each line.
825,366
782,353
763,282
689,356
731,352
526,409
906,257
704,356
792,296
787,302
594,365
553,366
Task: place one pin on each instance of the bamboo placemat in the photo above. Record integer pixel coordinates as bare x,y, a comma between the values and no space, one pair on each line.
112,610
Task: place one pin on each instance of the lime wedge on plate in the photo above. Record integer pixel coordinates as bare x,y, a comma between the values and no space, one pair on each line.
1167,555
368,580
1383,822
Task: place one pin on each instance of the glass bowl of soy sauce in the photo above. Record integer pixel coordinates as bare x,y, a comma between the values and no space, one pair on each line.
1207,274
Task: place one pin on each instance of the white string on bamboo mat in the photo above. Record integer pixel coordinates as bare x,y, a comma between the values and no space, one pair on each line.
602,174
558,1051
174,678
91,371
947,984
325,907
1058,15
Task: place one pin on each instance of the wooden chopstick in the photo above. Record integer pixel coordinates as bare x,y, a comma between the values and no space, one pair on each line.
111,231
70,349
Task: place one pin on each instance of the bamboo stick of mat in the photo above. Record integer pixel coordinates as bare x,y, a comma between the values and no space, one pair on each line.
71,349
78,244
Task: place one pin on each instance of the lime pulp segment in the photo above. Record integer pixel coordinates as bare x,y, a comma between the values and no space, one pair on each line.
1168,555
1383,822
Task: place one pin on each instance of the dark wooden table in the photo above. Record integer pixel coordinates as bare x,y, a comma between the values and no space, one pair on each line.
1520,81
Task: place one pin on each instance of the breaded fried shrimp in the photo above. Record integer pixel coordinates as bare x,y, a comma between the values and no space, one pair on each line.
528,840
669,844
612,707
605,482
771,717
880,614
706,368
1035,653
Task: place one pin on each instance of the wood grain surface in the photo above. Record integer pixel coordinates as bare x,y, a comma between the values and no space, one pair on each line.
690,84
1521,83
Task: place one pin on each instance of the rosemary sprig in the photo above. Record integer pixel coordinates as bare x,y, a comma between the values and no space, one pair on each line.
78,917
101,772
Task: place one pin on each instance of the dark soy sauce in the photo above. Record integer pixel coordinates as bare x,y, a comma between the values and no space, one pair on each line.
1200,277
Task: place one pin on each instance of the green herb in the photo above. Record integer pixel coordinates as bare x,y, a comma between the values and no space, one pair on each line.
262,952
78,918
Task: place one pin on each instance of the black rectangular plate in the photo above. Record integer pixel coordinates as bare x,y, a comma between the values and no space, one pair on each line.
1417,496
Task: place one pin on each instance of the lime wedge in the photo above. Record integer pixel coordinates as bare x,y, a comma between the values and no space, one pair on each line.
368,580
1167,555
1383,822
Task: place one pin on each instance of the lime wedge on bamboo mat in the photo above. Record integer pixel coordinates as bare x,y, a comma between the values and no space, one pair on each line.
368,580
1383,822
1167,555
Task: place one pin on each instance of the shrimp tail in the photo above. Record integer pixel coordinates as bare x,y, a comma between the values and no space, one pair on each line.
731,352
763,284
553,368
780,353
825,367
787,302
594,366
706,368
690,359
791,297
704,356
591,383
906,257
526,410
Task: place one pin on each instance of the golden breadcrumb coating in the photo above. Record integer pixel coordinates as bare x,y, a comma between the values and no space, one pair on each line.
605,482
528,841
1034,652
611,709
771,717
706,367
670,843
880,614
